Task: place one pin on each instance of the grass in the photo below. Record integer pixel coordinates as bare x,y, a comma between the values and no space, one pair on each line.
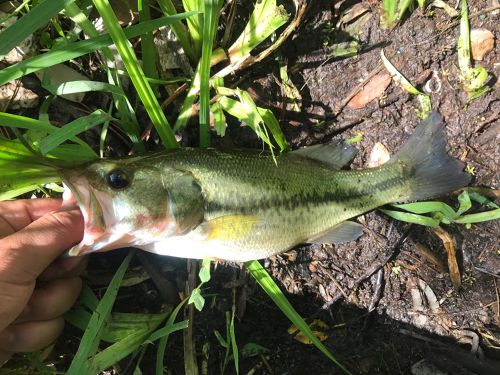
440,213
393,11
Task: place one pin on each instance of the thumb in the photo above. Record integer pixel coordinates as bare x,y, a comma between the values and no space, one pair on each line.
25,254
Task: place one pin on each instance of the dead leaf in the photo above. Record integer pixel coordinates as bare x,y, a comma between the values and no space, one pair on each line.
482,42
375,87
452,257
318,328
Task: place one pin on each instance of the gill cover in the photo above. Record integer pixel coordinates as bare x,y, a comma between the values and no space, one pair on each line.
126,204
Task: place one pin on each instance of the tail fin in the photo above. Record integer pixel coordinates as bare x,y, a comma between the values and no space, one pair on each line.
432,171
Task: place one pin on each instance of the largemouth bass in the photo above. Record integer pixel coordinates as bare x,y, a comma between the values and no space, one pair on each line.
242,205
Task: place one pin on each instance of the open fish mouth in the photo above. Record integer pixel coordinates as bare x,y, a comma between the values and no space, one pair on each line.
98,215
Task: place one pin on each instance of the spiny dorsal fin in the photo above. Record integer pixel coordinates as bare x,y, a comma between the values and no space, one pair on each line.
336,154
344,232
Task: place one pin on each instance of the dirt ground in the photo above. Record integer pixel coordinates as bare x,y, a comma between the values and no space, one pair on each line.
387,299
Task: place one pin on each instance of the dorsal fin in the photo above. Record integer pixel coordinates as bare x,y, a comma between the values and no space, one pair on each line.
336,154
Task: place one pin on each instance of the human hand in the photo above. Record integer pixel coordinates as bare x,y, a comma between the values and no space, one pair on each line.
36,288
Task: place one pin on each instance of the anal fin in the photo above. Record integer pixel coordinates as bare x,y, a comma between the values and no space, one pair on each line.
344,232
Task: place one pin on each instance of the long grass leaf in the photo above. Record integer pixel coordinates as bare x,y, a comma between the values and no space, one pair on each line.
77,49
427,207
16,121
148,50
412,218
195,23
210,19
266,18
116,352
479,217
160,352
29,23
136,73
90,339
73,87
179,29
267,283
72,129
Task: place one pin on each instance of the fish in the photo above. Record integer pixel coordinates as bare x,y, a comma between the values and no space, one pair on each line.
241,205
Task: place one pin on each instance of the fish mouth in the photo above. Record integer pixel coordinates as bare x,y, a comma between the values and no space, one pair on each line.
98,216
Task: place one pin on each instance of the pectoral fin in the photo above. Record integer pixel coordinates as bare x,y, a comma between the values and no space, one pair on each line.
343,232
229,227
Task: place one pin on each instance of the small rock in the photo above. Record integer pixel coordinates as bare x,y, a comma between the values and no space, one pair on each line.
14,96
375,87
482,42
378,156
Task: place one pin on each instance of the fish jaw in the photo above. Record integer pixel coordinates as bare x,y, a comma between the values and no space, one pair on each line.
109,223
98,215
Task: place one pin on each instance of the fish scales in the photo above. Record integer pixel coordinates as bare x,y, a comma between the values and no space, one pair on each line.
244,204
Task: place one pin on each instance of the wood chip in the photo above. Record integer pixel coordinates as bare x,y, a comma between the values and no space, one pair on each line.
375,87
452,257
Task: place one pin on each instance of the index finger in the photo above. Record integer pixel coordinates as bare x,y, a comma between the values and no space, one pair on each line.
25,254
15,215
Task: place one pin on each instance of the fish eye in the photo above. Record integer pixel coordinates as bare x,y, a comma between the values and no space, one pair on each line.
117,179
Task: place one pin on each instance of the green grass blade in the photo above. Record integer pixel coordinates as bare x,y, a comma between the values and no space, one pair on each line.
116,352
16,121
136,73
148,50
74,87
125,112
427,207
168,329
266,18
77,49
210,19
195,23
160,353
179,29
219,119
234,344
412,218
187,107
404,83
90,339
274,126
255,117
270,287
72,129
479,217
29,23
